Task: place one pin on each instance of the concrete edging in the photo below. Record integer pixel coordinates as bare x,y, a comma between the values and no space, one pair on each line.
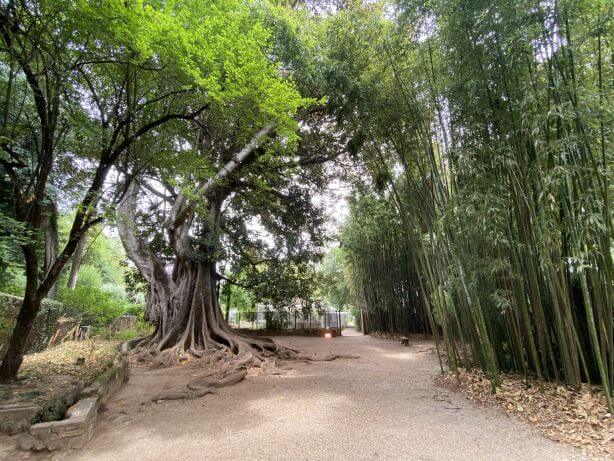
76,429
18,417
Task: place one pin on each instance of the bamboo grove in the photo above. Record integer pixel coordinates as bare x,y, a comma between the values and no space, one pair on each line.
485,128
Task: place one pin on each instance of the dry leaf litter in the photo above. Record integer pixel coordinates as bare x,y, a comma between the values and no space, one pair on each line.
578,417
51,372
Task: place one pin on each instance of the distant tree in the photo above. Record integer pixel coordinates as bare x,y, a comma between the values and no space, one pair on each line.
335,285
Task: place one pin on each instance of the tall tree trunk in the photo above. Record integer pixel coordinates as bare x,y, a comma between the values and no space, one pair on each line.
77,259
14,354
228,295
27,314
50,224
191,323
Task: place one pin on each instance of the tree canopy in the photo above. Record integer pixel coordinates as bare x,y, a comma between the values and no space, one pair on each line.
473,140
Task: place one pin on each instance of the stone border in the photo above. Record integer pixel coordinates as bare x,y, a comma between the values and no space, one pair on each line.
73,432
18,417
77,428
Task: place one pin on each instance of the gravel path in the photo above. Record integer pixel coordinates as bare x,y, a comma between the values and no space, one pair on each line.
381,406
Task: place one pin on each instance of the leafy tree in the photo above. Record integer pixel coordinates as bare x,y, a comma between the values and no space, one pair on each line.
335,284
254,167
86,83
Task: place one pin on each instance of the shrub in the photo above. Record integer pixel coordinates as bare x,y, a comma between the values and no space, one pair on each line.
92,305
117,291
141,329
89,276
17,284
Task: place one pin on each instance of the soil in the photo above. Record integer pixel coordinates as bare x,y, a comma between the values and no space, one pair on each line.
383,405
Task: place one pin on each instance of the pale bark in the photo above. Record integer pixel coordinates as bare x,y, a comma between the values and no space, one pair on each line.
77,259
50,225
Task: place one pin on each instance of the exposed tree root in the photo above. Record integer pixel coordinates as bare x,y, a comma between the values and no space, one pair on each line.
331,357
216,380
228,357
208,382
230,350
202,386
326,358
182,395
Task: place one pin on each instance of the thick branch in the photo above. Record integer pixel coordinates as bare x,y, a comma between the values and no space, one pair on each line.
239,284
115,152
182,209
137,250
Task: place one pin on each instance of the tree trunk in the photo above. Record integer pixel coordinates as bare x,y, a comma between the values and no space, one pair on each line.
190,322
27,314
77,259
228,295
184,305
14,354
50,224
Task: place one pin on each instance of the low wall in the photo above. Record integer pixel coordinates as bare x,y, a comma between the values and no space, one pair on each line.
76,429
46,323
18,417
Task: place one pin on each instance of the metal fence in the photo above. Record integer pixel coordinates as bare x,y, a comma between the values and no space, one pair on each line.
288,320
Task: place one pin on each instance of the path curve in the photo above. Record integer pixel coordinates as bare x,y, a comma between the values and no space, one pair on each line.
383,405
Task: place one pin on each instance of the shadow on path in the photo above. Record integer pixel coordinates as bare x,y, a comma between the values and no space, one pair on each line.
383,405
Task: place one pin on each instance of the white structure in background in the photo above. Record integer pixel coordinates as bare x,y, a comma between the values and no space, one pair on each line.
335,319
294,319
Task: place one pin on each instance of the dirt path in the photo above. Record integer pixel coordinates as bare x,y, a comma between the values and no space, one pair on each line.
380,406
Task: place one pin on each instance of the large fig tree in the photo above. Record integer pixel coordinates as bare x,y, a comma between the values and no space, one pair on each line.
236,184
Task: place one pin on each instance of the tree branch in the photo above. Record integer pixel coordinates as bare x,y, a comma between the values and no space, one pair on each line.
115,152
182,210
138,251
234,282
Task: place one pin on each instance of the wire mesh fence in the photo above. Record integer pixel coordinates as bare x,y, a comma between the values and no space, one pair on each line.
288,320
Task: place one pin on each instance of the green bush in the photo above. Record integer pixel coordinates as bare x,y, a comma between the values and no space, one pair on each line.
117,291
94,302
92,305
89,276
17,284
140,330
